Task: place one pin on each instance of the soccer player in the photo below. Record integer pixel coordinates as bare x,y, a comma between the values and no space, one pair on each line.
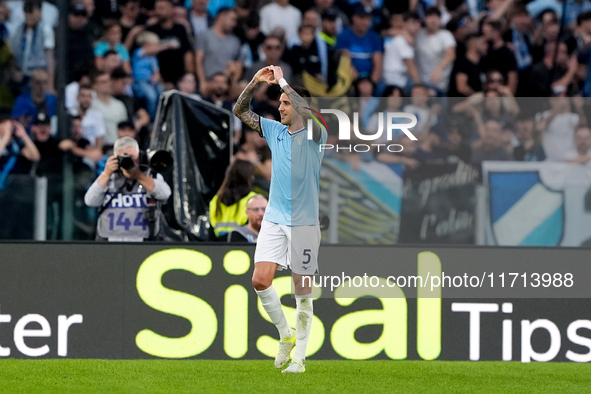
290,232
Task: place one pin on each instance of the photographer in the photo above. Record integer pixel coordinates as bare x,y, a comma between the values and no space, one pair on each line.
123,191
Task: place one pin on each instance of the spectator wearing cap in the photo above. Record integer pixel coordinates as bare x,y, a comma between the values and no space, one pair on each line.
121,88
33,42
363,45
113,110
199,18
435,50
280,13
39,99
80,47
93,123
562,71
112,42
467,75
174,62
499,57
47,145
218,50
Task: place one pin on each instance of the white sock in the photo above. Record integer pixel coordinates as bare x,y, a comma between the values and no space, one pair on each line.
272,305
304,314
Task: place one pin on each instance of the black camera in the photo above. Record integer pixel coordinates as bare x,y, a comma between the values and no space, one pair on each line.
125,162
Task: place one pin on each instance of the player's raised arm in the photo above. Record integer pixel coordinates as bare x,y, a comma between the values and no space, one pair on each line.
242,108
297,102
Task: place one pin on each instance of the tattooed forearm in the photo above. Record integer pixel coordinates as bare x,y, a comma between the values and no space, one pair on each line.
242,108
302,107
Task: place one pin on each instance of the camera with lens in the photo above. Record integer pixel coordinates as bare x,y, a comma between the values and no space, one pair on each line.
125,161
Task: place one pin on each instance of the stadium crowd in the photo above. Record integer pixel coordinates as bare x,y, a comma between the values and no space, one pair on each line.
487,80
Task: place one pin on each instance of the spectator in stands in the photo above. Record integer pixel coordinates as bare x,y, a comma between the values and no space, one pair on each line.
363,46
557,126
304,57
39,99
113,110
15,143
218,89
188,84
135,106
400,68
519,40
256,150
273,50
227,209
435,50
342,20
200,19
251,39
530,144
180,15
112,42
81,77
427,116
255,210
130,21
218,51
583,144
583,35
430,150
4,13
78,145
489,147
33,42
456,149
280,13
110,61
499,57
562,71
392,102
173,62
407,157
47,145
80,47
146,71
10,76
467,75
93,124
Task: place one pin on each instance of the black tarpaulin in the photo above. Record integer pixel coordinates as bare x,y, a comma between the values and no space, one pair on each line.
198,134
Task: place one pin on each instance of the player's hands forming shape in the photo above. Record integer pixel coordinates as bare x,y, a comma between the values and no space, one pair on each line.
265,74
277,73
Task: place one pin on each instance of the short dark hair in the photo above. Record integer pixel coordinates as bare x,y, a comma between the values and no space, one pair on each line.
472,36
30,5
432,11
109,53
411,15
97,73
495,25
126,124
391,89
583,17
303,27
253,20
303,92
223,11
84,87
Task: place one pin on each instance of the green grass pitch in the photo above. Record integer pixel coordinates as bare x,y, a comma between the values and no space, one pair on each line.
204,376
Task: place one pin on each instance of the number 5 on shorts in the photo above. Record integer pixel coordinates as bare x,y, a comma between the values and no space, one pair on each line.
308,255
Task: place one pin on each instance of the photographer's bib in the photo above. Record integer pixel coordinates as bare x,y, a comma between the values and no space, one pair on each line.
125,217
